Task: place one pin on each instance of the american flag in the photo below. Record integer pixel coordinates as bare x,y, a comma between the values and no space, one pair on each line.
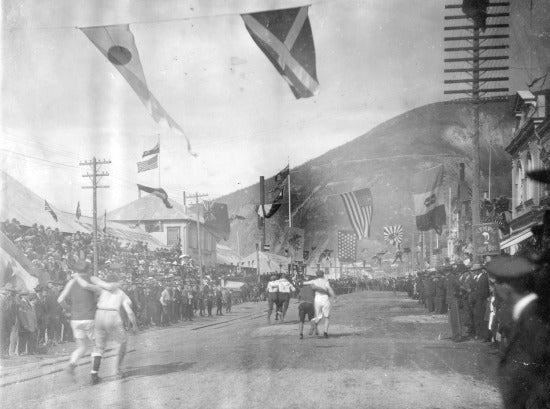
148,164
359,207
347,246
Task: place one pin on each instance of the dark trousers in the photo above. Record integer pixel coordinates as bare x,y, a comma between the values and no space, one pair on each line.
209,305
219,307
27,342
454,320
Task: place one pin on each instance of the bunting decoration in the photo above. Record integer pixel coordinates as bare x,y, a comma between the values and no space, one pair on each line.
158,192
268,210
285,37
49,209
78,213
358,205
148,164
118,45
154,151
393,235
426,191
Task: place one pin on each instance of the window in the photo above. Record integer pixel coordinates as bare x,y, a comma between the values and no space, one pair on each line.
519,183
529,185
172,236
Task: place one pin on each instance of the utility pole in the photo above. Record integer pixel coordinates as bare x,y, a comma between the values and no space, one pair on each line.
95,177
201,272
262,203
472,63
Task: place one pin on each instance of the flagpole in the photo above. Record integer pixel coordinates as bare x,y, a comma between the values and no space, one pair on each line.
159,157
289,200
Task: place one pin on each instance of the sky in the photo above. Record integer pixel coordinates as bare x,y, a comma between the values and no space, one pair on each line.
64,103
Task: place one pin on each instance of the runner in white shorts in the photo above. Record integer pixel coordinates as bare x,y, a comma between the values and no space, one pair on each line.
323,294
108,322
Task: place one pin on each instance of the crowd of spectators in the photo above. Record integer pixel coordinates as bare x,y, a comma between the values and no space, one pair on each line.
162,283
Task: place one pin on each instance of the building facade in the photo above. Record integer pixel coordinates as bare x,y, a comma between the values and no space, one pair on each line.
530,149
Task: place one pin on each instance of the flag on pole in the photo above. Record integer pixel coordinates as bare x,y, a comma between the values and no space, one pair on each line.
49,209
158,192
15,267
430,214
155,150
78,213
347,246
118,45
285,37
268,210
358,205
393,235
280,179
148,164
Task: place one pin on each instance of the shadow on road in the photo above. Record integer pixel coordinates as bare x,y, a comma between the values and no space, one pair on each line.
158,369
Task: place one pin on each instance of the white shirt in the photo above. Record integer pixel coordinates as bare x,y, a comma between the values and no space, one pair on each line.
112,300
273,286
285,286
324,284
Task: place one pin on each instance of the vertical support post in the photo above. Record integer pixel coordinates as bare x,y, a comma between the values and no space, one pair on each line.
262,203
475,140
201,273
94,189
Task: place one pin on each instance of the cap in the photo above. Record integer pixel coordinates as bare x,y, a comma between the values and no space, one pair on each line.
510,268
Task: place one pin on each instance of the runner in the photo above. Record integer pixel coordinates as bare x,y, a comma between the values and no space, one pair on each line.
323,293
108,321
285,287
272,295
306,307
81,312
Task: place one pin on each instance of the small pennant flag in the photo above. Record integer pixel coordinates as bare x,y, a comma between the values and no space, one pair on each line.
49,209
347,246
148,164
118,45
158,192
358,205
152,151
78,213
285,37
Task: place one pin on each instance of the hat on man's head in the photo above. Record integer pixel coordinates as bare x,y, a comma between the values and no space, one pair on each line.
510,268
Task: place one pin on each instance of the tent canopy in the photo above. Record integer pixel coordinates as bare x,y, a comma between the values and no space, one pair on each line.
226,255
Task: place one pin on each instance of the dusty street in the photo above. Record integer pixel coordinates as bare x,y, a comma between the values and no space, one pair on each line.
384,351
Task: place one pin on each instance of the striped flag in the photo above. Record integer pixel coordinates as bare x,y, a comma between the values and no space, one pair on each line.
358,205
49,209
285,37
153,151
148,164
430,214
347,246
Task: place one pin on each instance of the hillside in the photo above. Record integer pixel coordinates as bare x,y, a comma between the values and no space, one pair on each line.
383,159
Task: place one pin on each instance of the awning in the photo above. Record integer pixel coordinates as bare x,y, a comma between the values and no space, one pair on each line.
516,238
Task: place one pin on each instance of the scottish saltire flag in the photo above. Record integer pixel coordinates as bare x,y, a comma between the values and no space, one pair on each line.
155,150
347,246
158,192
430,213
148,164
358,205
49,209
78,212
285,37
117,44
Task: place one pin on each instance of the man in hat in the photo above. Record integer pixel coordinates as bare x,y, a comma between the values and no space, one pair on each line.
108,321
8,314
524,368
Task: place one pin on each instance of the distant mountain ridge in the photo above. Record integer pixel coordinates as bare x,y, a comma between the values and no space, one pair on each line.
383,159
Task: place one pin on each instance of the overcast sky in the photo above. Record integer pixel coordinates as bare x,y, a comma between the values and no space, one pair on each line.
63,102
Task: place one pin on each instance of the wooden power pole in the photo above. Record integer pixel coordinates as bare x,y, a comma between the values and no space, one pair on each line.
476,59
